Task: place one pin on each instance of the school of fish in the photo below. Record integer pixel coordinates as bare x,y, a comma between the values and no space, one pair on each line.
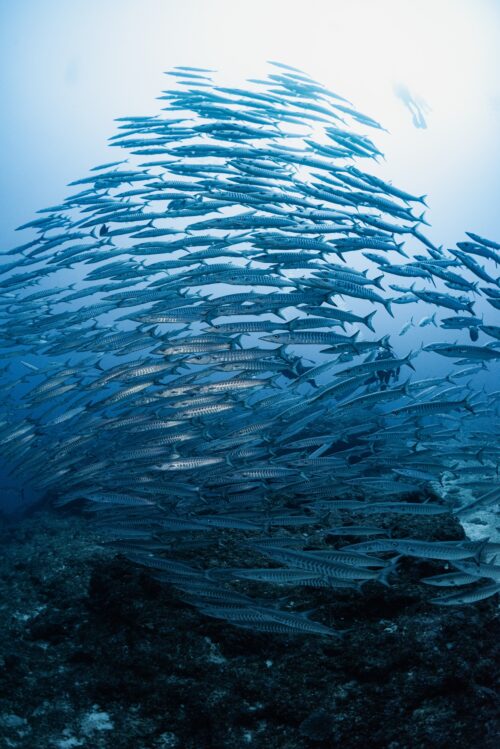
194,346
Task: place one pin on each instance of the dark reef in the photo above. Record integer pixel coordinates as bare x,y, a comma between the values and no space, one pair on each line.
96,654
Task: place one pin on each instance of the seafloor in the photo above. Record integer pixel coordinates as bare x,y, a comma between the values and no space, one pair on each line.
95,654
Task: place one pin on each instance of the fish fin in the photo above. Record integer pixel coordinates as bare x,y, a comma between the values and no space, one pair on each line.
368,321
383,577
236,342
422,220
480,548
279,313
408,358
468,406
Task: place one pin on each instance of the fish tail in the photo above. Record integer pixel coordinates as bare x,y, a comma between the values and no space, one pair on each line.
236,342
383,577
408,359
480,548
468,406
385,342
368,321
387,305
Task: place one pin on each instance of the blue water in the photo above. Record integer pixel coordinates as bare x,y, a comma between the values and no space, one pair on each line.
252,352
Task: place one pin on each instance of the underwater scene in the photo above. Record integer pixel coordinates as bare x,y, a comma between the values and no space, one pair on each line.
249,432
